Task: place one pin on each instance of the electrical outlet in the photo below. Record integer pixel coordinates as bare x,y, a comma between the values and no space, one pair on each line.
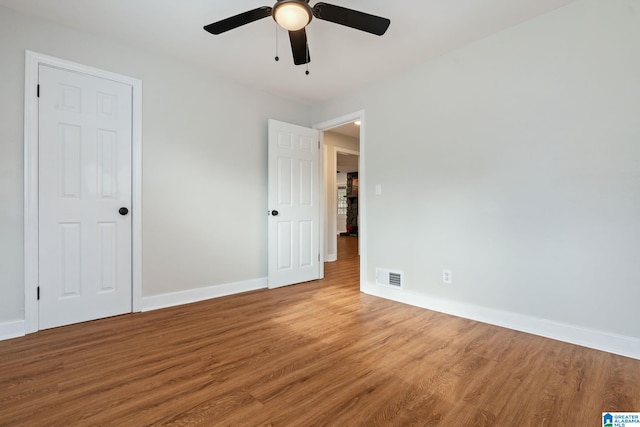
446,276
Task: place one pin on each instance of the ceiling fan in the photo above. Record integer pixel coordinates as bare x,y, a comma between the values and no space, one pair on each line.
295,15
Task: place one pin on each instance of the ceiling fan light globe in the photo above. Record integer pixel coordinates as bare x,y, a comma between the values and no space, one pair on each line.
292,15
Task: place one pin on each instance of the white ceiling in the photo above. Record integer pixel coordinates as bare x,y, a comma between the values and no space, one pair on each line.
342,59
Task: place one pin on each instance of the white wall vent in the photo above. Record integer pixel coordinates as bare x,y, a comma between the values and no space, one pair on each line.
388,277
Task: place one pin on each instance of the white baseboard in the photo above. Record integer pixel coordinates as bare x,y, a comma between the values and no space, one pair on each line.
13,329
172,299
331,258
617,344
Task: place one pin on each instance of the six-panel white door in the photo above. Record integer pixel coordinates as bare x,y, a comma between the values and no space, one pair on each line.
294,212
84,180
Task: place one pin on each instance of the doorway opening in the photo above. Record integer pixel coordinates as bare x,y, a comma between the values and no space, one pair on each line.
347,193
343,166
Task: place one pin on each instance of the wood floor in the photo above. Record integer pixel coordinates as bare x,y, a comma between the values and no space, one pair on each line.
319,353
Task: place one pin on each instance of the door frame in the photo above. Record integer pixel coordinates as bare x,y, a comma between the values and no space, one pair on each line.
362,195
31,146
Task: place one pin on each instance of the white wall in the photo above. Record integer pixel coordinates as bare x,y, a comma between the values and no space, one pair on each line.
332,142
334,139
515,162
204,162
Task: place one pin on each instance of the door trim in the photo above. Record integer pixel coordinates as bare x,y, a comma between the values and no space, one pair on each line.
362,195
32,61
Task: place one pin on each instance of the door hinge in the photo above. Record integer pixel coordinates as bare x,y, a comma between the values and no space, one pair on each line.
318,257
38,293
318,144
38,91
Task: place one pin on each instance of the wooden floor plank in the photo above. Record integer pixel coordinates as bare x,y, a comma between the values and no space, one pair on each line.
318,353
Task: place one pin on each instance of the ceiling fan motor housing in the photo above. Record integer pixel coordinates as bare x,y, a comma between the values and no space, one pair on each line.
292,15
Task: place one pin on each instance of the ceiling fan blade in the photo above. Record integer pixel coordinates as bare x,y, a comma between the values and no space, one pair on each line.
299,47
238,20
351,18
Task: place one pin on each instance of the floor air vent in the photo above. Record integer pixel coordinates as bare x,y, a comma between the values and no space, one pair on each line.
388,277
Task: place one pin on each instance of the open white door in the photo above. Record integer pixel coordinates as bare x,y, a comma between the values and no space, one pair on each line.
294,204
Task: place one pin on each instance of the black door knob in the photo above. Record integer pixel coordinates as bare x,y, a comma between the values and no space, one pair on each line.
123,211
274,213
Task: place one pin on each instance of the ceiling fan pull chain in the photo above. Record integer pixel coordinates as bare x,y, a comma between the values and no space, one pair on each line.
277,58
307,64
